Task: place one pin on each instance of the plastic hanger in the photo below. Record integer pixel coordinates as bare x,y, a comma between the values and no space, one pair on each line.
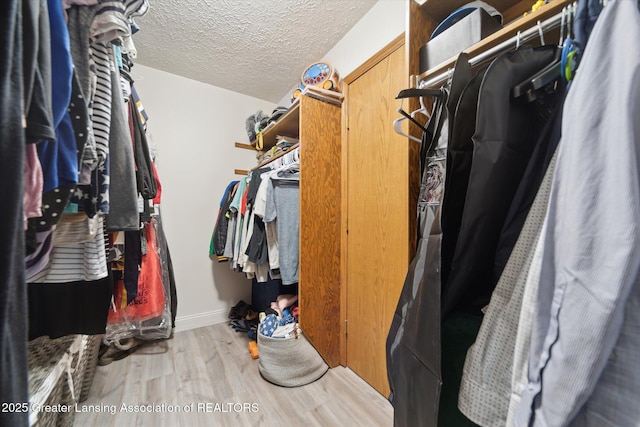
414,93
291,167
568,54
396,126
547,75
568,50
398,122
288,162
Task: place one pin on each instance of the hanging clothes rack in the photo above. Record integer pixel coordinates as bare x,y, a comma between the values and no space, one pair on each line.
521,37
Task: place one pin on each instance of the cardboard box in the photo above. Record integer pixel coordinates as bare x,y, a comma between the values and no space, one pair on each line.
461,35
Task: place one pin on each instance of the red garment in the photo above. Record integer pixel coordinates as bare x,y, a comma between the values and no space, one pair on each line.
243,201
150,301
156,200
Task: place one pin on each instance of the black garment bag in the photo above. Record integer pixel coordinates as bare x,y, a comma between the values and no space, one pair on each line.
459,157
505,135
413,343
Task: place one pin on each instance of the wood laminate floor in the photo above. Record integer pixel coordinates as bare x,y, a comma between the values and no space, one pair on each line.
206,377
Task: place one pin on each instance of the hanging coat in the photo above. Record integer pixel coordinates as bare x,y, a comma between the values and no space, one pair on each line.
219,237
506,132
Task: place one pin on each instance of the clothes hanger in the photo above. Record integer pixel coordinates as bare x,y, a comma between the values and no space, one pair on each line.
547,75
290,162
396,126
568,49
292,156
397,122
414,93
411,116
291,167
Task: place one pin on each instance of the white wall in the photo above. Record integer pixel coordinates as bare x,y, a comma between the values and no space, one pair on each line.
385,21
194,126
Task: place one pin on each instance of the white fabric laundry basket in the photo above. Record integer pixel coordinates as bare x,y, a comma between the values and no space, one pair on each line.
289,362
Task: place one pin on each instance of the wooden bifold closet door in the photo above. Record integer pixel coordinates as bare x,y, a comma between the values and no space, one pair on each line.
378,218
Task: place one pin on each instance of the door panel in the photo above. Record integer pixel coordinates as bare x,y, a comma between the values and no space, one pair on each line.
320,194
377,218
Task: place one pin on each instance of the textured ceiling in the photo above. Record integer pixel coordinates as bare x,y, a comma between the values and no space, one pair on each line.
254,47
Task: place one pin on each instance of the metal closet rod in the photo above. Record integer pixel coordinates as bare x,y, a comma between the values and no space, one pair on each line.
525,36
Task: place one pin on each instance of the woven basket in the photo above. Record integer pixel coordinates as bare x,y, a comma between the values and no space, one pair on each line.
45,368
80,368
289,362
55,397
91,354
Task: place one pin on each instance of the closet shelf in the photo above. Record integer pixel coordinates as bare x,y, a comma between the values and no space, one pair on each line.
288,125
277,156
245,146
508,31
438,10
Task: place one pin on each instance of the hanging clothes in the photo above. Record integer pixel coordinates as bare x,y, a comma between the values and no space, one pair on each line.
582,369
38,90
85,141
283,206
94,199
486,382
586,14
67,267
257,250
231,227
236,208
13,307
76,282
33,183
270,230
246,231
260,214
220,230
505,135
149,301
507,131
168,272
79,21
146,182
255,256
123,196
539,161
488,147
58,157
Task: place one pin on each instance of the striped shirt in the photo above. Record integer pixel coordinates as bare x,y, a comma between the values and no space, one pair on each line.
84,261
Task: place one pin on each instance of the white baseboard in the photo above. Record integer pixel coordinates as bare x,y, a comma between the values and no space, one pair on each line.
192,321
